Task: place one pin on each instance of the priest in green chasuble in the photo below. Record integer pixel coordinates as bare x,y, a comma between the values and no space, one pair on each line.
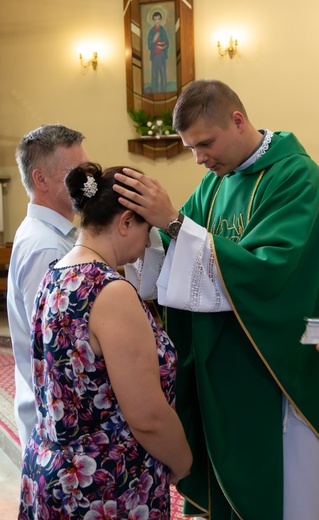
236,270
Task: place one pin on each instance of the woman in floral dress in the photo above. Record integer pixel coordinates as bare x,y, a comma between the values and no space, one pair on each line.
108,441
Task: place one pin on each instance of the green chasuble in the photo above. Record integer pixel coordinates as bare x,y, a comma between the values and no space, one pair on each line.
234,366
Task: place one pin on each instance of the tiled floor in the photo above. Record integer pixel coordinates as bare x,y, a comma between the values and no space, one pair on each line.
9,472
9,488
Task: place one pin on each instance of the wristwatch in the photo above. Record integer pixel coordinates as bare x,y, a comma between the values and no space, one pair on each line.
174,226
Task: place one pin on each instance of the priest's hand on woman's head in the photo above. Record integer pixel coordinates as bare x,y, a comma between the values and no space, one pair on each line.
151,202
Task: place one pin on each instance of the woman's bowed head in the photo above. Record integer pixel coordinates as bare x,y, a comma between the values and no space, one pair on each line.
98,208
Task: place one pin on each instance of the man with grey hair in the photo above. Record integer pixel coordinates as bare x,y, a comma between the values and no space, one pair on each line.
44,156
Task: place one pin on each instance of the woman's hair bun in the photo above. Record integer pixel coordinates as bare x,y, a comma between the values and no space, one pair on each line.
81,189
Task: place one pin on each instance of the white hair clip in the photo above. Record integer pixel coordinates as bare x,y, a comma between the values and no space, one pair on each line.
90,187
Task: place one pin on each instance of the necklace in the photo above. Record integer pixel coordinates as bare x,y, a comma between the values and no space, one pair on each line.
87,247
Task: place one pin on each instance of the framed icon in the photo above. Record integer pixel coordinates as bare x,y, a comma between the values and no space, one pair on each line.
159,46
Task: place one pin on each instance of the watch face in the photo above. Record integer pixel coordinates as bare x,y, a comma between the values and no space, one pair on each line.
174,228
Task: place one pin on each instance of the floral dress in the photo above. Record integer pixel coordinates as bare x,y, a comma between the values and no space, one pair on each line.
82,460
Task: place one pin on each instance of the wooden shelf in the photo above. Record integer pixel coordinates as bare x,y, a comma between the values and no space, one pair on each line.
153,148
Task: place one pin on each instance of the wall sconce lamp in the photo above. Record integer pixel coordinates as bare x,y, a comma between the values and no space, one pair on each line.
231,50
85,62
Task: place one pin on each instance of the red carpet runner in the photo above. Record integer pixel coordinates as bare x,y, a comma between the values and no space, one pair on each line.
8,429
7,422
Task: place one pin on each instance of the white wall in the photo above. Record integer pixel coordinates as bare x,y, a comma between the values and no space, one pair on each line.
275,74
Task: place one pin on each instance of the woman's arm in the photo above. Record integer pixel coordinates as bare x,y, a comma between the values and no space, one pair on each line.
120,325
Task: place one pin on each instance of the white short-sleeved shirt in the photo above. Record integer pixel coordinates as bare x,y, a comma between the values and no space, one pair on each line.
43,236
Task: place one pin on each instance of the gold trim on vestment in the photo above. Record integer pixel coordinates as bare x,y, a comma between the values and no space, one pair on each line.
234,309
205,513
253,195
240,220
213,202
225,494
